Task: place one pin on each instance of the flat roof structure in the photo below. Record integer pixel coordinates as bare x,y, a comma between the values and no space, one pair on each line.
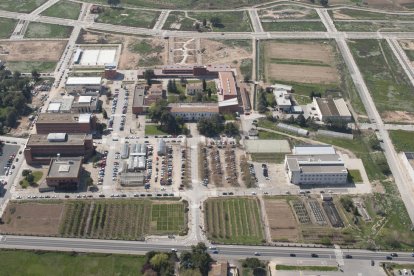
84,81
227,84
84,99
139,96
325,163
229,102
63,104
53,107
332,107
47,118
278,86
314,150
64,167
71,139
97,57
282,98
194,108
267,146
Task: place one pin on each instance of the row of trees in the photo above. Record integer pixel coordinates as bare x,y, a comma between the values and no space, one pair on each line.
160,113
215,125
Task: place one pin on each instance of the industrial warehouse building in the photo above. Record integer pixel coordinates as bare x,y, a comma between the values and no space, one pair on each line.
64,173
65,122
315,165
79,84
329,109
41,148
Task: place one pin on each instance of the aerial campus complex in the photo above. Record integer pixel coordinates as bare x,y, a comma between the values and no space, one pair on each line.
207,138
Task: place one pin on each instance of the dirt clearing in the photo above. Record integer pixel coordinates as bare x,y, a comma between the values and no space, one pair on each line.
303,73
217,52
32,50
282,223
28,218
136,51
397,116
303,51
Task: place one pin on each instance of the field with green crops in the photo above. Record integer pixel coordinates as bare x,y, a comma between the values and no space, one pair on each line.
234,220
122,219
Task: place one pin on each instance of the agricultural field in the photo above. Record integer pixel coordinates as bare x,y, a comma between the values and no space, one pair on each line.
7,27
26,6
313,26
309,66
386,80
186,4
136,51
44,30
234,220
25,56
100,219
134,219
129,17
32,218
287,12
282,223
402,140
25,262
66,9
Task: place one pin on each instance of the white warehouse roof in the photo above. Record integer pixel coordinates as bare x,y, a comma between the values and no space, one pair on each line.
313,150
84,80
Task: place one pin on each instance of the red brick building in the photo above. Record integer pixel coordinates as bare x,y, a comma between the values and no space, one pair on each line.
65,122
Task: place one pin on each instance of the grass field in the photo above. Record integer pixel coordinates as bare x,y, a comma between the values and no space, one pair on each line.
355,176
186,4
234,220
37,176
29,66
307,267
374,26
44,30
290,11
22,262
402,140
177,17
122,219
66,9
128,17
237,21
383,75
293,26
7,27
360,14
153,130
410,54
25,6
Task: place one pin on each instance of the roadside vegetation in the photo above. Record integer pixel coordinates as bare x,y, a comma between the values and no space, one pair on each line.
7,27
293,26
30,66
65,9
44,30
129,17
237,21
25,262
402,140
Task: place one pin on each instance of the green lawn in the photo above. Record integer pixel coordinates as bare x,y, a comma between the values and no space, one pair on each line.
144,47
167,218
153,130
307,267
186,4
355,176
29,66
386,80
37,176
293,26
44,263
7,27
44,30
64,9
246,67
182,23
237,21
410,54
402,140
277,158
128,17
25,6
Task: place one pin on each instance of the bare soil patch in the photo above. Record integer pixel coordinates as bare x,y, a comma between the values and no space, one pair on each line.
398,116
27,218
216,52
303,51
303,73
282,223
129,59
32,50
340,16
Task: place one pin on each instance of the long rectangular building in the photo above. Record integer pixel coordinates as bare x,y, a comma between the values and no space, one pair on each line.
329,109
65,122
194,112
78,84
40,148
316,169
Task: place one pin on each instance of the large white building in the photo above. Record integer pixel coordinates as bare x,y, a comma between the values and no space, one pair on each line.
79,84
331,109
193,112
315,165
283,100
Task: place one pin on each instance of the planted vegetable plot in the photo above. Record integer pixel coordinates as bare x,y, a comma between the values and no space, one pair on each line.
234,220
122,219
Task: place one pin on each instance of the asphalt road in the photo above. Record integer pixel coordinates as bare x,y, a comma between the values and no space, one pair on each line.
132,247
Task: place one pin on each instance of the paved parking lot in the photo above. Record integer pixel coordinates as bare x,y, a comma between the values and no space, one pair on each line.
8,149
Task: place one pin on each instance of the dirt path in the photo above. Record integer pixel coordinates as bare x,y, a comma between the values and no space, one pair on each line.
88,220
265,220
